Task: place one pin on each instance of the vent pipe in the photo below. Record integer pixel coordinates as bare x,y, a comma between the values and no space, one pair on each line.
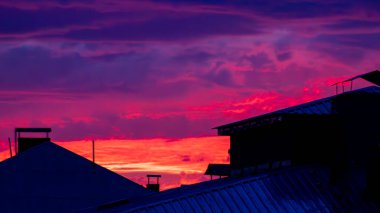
153,186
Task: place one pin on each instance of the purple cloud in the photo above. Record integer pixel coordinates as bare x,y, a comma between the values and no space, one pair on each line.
284,56
140,127
17,21
172,64
170,28
363,40
259,60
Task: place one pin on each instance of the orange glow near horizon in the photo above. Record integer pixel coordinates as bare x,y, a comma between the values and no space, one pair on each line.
181,161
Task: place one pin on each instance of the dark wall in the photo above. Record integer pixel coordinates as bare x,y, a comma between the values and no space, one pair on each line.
346,141
359,115
300,138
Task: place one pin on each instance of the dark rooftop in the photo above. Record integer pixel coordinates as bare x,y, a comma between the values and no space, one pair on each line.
317,107
49,178
302,189
218,169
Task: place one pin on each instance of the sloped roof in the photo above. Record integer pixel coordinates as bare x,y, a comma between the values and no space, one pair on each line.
318,107
49,178
373,77
293,190
218,169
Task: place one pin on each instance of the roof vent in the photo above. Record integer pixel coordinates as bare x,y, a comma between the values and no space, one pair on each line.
24,143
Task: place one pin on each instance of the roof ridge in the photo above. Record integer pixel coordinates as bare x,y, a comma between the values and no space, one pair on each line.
295,107
67,151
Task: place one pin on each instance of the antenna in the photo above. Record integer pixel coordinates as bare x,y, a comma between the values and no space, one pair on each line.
10,147
15,143
93,151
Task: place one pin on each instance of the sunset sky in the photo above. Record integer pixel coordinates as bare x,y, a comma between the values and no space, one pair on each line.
149,79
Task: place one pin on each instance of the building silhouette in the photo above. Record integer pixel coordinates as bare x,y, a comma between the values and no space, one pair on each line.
48,178
321,156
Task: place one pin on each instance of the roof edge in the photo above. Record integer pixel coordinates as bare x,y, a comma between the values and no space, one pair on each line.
280,111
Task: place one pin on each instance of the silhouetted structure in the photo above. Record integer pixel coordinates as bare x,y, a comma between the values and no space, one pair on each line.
373,77
301,189
340,132
218,170
321,156
49,178
153,186
24,143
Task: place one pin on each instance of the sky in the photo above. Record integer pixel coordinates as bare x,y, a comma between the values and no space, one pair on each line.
138,74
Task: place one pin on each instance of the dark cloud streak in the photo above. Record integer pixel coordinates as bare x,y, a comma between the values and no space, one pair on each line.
14,21
170,28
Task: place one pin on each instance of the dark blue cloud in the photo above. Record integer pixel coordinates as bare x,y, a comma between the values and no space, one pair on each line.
28,68
193,56
142,75
109,57
280,9
153,24
352,24
13,20
222,77
346,55
364,40
303,9
259,60
171,28
284,56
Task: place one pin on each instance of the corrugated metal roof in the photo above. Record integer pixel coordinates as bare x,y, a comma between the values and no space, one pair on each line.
49,178
292,190
318,107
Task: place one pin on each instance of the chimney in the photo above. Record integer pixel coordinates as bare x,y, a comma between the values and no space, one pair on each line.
24,143
153,186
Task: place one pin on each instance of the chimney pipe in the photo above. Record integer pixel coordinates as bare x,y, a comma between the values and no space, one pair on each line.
93,151
153,186
24,143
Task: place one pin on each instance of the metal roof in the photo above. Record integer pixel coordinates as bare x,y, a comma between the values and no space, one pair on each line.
49,178
318,107
292,190
373,77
